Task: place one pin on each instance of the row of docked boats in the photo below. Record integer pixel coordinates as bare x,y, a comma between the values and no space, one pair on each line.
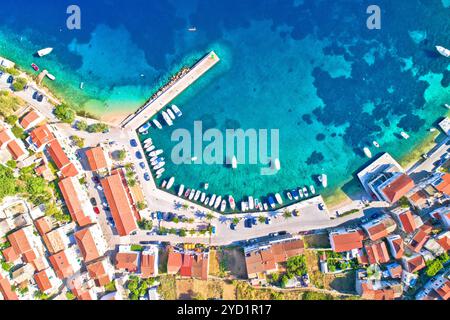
156,161
213,201
169,115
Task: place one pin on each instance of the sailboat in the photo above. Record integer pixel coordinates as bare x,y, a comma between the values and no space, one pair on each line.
192,29
443,51
44,52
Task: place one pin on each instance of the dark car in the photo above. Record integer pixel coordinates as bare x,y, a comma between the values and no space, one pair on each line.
133,143
93,201
254,221
35,94
142,165
248,223
10,79
138,155
96,210
147,177
232,226
159,215
96,179
40,98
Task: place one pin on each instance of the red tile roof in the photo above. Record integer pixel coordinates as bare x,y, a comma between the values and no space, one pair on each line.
395,271
127,261
444,186
174,262
4,136
6,290
397,247
73,203
444,290
341,242
119,203
398,188
57,154
418,241
43,225
10,254
69,171
148,265
444,241
61,265
97,271
16,150
407,221
29,118
21,245
377,253
86,243
43,281
414,264
380,294
96,158
41,136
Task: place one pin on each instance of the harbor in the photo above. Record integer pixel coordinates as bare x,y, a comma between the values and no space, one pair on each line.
168,93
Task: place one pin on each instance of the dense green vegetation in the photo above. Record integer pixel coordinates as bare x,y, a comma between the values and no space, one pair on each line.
9,103
97,128
18,132
81,125
79,142
19,84
138,287
11,120
436,265
65,113
145,224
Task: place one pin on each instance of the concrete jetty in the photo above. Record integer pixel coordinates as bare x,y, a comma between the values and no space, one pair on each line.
135,120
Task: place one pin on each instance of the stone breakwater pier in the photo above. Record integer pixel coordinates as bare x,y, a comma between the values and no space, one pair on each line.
169,92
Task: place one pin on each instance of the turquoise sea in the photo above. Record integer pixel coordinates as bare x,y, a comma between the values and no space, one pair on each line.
310,69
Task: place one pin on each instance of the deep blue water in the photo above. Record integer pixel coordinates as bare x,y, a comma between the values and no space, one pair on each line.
308,68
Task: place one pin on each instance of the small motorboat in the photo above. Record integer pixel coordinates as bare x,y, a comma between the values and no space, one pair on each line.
44,52
271,202
35,67
234,162
170,113
155,153
231,202
157,124
167,118
443,51
223,205
289,195
145,127
258,204
217,202
160,171
158,176
323,179
164,183
206,201
265,206
187,193
276,164
206,185
170,183
51,77
376,144
156,161
150,149
211,201
278,198
159,165
81,85
176,110
404,135
148,140
251,203
447,105
180,190
312,189
305,192
192,29
244,206
197,195
300,192
192,194
294,193
367,152
202,198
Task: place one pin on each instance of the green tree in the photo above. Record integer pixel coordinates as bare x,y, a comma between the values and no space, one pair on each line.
97,128
182,233
141,205
287,214
18,132
261,219
11,119
79,142
8,182
121,155
9,103
209,216
65,113
11,164
235,220
296,266
12,71
81,125
19,84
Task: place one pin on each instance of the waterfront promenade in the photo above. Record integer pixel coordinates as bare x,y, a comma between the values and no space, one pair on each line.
153,106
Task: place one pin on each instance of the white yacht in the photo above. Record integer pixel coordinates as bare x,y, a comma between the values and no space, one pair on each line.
167,118
244,206
156,161
276,164
323,179
234,162
159,165
278,198
300,193
223,205
211,201
192,29
50,76
404,135
232,202
305,192
251,203
192,194
164,183
177,111
170,113
202,198
289,195
148,140
180,190
160,171
155,153
170,183
217,202
44,52
312,189
265,206
367,152
206,201
197,195
443,51
157,124
150,149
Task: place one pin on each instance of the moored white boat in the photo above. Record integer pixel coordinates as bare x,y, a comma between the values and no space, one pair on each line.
145,127
305,192
180,190
187,193
156,153
157,124
367,152
323,179
294,193
192,194
223,205
271,202
206,201
159,165
50,76
278,198
217,202
164,183
148,141
202,198
167,118
160,171
276,164
376,144
156,161
265,206
177,110
300,192
289,195
231,202
170,113
404,135
234,162
211,201
258,205
170,183
150,148
443,51
312,189
44,52
244,206
197,195
251,203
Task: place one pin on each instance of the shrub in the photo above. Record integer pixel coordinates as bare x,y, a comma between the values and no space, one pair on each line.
12,164
18,132
121,155
64,113
81,125
97,128
19,84
11,120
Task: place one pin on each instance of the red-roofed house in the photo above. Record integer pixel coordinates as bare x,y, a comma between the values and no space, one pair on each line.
396,187
91,243
149,262
69,171
406,221
346,240
47,281
414,263
101,271
41,136
43,225
444,216
443,239
31,119
395,270
26,244
119,201
5,137
97,159
128,261
57,154
77,203
188,264
174,261
17,150
377,253
396,246
442,184
6,291
418,241
442,288
65,263
10,255
380,228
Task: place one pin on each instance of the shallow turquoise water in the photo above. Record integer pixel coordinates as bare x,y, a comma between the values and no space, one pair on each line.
309,69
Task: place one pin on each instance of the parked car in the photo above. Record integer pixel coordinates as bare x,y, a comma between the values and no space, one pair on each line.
142,165
133,233
159,215
10,79
96,210
147,177
248,223
99,187
268,220
232,226
138,155
39,98
133,143
213,230
93,201
254,221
